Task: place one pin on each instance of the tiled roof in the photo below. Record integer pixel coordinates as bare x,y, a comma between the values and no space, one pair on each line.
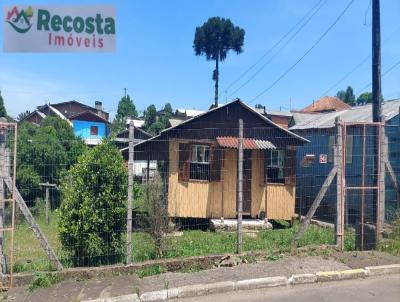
248,143
326,103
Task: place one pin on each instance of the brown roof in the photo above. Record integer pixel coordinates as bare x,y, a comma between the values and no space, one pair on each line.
326,104
248,143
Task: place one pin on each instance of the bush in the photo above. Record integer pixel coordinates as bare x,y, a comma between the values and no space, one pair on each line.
156,221
92,215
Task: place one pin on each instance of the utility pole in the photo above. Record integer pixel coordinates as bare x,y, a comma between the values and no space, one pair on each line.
376,62
130,196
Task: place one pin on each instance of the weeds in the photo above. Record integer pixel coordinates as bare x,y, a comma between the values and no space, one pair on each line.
150,271
42,279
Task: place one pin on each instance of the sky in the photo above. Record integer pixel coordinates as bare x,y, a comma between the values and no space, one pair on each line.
156,63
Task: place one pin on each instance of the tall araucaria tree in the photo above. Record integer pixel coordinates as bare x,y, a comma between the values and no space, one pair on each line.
214,39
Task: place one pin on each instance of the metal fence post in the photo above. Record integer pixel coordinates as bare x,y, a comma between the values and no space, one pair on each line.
240,189
130,196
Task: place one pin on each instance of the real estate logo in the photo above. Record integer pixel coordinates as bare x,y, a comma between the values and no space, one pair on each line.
19,20
59,28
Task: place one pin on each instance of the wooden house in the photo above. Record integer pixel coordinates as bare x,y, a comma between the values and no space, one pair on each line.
198,162
319,129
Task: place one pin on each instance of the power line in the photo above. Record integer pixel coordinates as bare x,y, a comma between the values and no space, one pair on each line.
305,54
347,75
385,73
280,49
272,47
362,62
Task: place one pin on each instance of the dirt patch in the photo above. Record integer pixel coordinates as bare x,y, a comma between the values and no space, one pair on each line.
361,259
109,286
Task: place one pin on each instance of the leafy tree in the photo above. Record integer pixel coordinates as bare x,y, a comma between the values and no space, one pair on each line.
150,116
44,153
168,112
364,98
126,108
214,39
168,108
259,106
3,111
347,96
93,209
23,115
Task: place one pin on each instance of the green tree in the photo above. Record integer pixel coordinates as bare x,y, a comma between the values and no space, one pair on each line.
364,98
93,209
347,96
150,116
3,111
126,108
44,153
259,106
214,39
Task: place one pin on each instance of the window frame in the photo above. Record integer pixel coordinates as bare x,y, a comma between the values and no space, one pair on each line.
279,166
92,127
200,161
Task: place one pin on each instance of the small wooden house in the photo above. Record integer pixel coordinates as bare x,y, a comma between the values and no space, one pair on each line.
198,162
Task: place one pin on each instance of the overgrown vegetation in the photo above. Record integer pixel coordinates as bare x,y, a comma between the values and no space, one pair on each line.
42,279
44,153
156,218
150,271
392,244
92,216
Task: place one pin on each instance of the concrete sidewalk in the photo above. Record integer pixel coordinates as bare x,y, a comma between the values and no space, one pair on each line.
78,290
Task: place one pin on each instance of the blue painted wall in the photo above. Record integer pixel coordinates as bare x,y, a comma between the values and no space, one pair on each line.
82,129
310,179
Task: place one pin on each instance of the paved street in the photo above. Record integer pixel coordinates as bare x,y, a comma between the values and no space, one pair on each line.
382,289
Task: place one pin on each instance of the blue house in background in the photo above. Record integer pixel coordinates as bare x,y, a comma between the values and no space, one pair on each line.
315,160
89,123
91,127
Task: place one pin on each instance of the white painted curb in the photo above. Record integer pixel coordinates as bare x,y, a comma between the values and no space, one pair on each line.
229,286
383,270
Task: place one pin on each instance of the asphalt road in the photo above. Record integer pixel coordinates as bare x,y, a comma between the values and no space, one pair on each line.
381,289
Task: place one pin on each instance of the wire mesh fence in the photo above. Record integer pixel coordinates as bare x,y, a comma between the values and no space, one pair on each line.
185,191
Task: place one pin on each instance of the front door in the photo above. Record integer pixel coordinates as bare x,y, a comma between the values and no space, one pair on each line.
247,182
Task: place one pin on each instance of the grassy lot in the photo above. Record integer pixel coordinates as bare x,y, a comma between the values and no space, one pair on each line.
30,257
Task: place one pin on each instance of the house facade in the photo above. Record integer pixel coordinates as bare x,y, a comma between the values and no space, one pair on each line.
315,160
89,123
198,162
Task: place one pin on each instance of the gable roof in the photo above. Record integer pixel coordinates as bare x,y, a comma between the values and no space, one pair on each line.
88,116
238,101
390,109
326,104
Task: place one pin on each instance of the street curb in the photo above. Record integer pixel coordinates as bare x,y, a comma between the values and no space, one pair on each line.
249,284
383,270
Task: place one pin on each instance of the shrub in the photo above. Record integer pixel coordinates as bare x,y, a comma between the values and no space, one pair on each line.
92,215
156,221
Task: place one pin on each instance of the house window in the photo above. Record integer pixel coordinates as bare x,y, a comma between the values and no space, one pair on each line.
200,162
94,130
274,166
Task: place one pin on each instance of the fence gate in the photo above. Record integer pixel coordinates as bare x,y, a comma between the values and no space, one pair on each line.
362,181
8,146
